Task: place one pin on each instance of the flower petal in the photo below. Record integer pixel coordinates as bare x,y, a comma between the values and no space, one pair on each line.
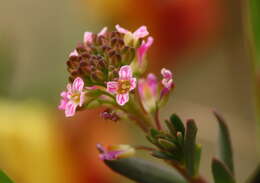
87,37
141,51
112,86
141,32
102,32
73,53
63,104
152,83
122,99
112,155
121,29
70,109
132,83
167,74
125,72
78,84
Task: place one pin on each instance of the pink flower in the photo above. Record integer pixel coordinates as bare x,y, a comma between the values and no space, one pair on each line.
141,51
88,35
123,86
167,81
73,97
141,32
148,90
114,152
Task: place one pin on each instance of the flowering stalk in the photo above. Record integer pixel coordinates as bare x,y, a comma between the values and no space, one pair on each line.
108,69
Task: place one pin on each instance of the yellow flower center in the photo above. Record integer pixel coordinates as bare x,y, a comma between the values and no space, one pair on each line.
75,97
124,86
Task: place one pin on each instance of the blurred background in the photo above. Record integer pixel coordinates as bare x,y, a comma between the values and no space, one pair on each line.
213,47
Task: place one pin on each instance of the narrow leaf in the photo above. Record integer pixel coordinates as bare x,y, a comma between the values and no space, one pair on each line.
190,147
226,153
143,171
4,178
177,123
221,173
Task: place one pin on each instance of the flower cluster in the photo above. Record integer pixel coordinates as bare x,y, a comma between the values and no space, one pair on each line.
107,69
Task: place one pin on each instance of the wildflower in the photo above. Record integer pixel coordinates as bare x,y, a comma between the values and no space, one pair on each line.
73,97
134,37
167,81
114,152
108,114
148,90
123,85
141,32
141,51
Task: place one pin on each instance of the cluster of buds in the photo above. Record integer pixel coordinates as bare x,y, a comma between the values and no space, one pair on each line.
107,69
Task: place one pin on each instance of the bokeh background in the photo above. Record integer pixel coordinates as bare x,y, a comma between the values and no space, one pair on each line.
213,47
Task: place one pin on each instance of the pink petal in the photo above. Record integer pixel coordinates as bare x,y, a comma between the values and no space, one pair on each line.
70,109
141,51
132,83
78,84
121,29
122,98
63,94
167,83
125,72
152,83
167,74
112,86
141,32
73,53
63,104
87,37
102,32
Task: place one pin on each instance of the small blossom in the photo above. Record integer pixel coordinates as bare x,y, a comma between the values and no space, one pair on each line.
141,51
148,90
108,114
141,32
126,82
73,97
167,78
114,152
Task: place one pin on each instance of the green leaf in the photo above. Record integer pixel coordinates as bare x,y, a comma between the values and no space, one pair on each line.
143,171
177,123
221,173
167,145
190,147
197,158
4,178
226,153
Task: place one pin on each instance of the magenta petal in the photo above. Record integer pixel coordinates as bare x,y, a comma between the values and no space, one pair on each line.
70,109
121,29
102,32
122,99
78,84
112,155
125,72
141,83
87,37
141,32
132,83
141,51
112,86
